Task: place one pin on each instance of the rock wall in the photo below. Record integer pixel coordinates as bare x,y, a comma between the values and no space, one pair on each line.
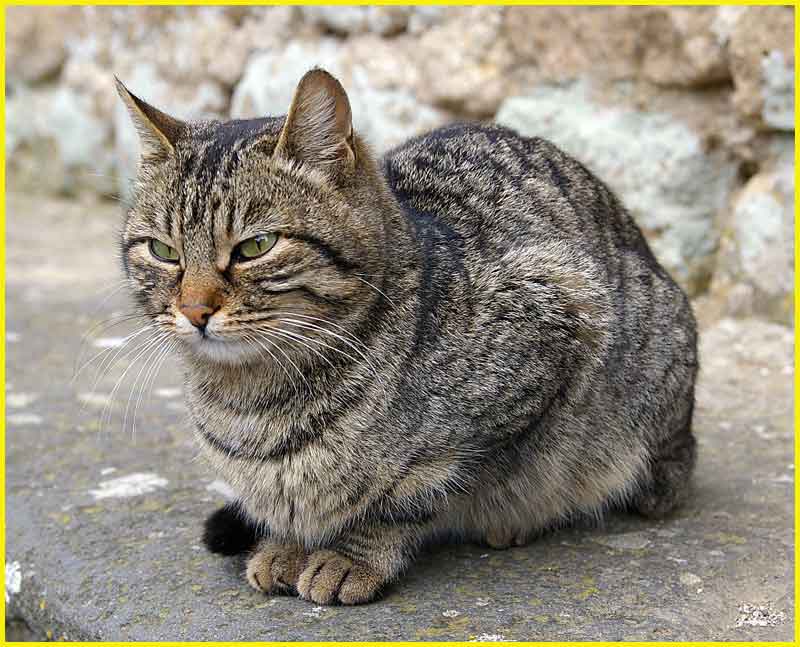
688,113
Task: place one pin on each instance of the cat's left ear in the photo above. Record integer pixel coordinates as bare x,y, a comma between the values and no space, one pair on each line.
319,127
158,132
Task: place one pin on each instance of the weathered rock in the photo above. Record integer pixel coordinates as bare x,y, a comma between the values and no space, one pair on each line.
36,41
383,20
466,64
424,17
684,46
564,43
55,142
755,266
385,117
673,46
762,64
671,185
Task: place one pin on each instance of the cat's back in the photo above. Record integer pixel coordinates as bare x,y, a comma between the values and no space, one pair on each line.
491,186
521,211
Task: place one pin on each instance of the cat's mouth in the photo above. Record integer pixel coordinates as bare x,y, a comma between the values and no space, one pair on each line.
219,349
210,343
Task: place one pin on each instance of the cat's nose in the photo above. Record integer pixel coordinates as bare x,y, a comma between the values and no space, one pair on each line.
198,313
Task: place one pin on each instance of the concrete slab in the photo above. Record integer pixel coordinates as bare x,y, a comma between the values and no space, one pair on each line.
89,560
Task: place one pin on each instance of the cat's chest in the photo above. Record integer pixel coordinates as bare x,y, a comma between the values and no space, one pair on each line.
282,468
297,495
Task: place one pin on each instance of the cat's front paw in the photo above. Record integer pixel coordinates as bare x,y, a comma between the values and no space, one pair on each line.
330,577
275,568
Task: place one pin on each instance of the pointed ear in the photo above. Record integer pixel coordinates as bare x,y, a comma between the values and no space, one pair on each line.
158,132
319,128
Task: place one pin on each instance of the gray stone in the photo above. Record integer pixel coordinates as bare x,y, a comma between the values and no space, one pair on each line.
385,20
778,91
133,569
384,116
55,141
684,46
755,264
762,65
466,64
37,40
656,163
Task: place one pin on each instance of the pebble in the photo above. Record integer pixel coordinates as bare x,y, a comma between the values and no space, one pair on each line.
20,400
24,419
128,486
13,579
751,615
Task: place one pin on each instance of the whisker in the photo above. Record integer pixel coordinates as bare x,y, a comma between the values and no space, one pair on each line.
78,370
344,330
143,349
105,324
301,338
146,366
367,360
160,353
275,359
379,291
285,354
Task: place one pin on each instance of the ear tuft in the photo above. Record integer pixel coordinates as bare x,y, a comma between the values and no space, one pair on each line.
158,132
319,128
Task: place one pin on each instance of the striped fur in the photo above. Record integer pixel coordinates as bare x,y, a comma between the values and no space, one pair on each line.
469,337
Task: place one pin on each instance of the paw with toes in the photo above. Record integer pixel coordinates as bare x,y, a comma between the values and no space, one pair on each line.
275,568
330,577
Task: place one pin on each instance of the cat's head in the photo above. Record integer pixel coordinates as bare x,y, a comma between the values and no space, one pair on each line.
245,238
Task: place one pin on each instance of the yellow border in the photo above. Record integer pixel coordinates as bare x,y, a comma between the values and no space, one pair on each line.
7,3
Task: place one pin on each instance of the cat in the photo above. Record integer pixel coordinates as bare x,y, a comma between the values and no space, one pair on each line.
467,339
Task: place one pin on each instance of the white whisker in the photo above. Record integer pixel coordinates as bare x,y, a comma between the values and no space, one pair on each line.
275,359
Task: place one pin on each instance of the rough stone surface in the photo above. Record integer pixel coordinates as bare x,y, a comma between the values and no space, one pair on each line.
762,65
755,270
466,64
669,46
672,186
564,43
55,141
132,568
35,42
386,21
682,47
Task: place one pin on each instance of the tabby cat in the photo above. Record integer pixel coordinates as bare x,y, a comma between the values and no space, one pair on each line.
467,338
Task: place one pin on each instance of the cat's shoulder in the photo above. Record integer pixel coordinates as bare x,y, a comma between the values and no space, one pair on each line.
459,135
478,146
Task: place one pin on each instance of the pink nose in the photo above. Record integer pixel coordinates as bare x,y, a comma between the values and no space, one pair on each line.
198,313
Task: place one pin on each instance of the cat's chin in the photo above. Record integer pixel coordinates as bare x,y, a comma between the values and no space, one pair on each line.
221,351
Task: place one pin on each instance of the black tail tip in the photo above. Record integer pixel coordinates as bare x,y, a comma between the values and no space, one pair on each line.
228,532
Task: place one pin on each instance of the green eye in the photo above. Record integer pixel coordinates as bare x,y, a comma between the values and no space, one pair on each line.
163,252
257,245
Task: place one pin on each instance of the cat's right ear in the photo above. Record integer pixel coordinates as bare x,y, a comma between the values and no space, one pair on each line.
158,132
